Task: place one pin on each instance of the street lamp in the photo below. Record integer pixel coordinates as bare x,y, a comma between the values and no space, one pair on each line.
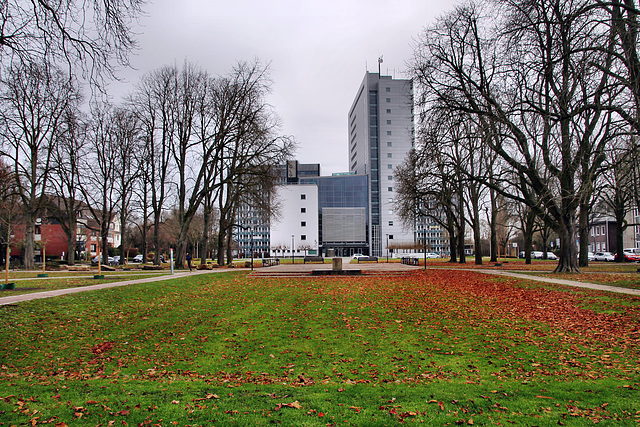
293,256
251,231
387,249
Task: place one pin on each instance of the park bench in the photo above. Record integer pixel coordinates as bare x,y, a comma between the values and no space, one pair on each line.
367,259
313,259
410,261
268,262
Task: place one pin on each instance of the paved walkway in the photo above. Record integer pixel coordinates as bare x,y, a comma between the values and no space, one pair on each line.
562,281
48,294
367,267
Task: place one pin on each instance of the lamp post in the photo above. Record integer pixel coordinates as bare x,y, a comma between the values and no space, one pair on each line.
387,249
425,249
293,256
251,231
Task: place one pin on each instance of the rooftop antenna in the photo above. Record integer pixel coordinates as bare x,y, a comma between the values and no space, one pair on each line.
379,62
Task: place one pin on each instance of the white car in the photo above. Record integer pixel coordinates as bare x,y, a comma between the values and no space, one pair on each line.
356,256
138,258
604,256
432,255
96,258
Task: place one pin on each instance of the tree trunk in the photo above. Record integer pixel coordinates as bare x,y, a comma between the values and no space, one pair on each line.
477,243
29,243
71,249
584,236
493,224
156,239
568,260
221,236
453,241
204,242
529,224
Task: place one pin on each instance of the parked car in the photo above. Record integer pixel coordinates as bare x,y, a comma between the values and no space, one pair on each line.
631,255
591,256
95,259
138,258
604,256
115,260
432,255
540,255
356,256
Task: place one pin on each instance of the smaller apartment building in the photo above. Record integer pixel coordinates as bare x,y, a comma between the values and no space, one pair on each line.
295,231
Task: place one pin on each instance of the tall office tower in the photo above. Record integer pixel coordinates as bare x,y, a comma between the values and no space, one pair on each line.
380,136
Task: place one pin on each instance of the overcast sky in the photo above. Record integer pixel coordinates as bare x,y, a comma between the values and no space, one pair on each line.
318,54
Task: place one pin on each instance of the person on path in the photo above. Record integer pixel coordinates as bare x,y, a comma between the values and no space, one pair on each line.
188,258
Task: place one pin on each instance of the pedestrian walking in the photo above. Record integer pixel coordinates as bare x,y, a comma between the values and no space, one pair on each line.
188,258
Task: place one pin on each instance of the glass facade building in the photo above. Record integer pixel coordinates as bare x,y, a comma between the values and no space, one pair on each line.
343,211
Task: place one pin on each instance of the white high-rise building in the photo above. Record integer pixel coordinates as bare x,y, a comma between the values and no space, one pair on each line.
381,133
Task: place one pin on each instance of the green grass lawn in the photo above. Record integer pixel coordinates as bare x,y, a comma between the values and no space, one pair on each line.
441,347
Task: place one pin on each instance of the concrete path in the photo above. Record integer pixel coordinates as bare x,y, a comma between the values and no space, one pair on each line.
565,282
48,294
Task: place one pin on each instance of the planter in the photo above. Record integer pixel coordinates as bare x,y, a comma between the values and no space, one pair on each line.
43,275
99,276
8,286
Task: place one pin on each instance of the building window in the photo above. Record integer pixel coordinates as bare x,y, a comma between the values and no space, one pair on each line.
389,188
303,210
390,200
593,233
603,233
388,122
389,166
389,112
389,133
390,223
390,177
389,144
303,223
388,99
390,236
388,89
390,212
597,231
389,155
303,237
303,197
93,247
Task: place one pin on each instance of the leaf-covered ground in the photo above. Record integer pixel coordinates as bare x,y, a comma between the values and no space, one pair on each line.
439,347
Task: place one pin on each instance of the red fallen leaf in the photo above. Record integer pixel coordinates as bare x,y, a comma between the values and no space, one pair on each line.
355,408
61,425
124,412
88,402
544,397
320,414
295,405
441,405
341,389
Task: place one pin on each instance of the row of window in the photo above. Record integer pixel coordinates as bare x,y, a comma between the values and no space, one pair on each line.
595,231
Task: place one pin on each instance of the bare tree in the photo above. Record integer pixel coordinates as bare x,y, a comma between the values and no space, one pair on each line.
127,132
84,34
65,181
154,106
530,81
32,103
100,186
10,209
